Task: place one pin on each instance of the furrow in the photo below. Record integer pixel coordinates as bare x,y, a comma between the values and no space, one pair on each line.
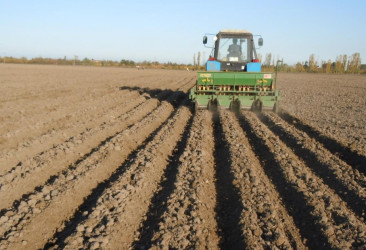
158,204
189,218
33,221
114,220
35,135
38,169
55,108
347,182
40,140
89,127
63,87
188,84
322,217
229,205
22,134
68,146
264,221
350,156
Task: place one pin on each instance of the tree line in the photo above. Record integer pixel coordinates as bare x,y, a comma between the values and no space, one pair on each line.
342,64
92,62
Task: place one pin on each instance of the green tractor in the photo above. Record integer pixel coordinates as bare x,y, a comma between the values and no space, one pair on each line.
233,78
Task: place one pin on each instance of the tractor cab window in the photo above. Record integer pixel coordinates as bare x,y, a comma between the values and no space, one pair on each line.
233,49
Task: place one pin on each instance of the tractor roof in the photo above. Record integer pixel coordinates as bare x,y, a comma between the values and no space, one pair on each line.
230,31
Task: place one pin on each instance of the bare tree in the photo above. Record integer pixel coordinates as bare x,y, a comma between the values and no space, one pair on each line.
313,64
267,62
354,63
344,62
339,67
328,66
259,55
198,59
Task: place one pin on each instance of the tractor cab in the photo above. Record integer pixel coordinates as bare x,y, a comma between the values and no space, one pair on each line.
233,50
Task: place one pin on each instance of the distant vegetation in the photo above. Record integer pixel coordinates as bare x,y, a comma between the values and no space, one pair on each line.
99,63
342,64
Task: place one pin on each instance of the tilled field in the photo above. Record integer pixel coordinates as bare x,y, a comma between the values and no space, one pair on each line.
114,158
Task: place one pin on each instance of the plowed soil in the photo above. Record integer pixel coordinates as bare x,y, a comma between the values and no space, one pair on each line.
117,158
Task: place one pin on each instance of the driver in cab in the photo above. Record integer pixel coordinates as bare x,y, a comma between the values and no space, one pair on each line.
234,49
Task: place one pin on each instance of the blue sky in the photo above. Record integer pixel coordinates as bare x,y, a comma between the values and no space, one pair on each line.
169,30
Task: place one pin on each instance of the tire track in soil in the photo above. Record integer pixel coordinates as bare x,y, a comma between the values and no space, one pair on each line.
37,170
348,183
348,155
189,217
113,219
321,216
37,213
264,221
